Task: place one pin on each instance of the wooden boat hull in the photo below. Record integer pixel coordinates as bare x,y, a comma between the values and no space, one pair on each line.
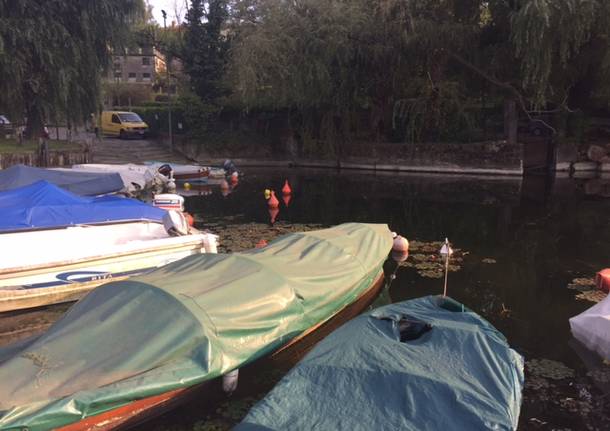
145,409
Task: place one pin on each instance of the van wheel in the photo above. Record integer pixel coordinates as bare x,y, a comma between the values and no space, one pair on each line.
122,134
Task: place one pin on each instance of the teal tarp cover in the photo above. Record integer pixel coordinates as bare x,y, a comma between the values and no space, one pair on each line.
185,323
458,375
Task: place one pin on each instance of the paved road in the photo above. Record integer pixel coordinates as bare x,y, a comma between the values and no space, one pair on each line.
113,150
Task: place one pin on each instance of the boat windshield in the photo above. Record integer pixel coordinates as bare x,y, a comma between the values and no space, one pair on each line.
130,117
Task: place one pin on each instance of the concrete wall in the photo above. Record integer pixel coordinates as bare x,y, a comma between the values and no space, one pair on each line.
493,158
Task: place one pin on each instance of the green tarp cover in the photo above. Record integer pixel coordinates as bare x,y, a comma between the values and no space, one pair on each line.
187,322
459,375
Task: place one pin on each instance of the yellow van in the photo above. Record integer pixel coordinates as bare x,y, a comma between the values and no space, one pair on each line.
123,124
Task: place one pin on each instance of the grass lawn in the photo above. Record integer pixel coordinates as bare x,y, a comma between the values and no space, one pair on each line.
10,146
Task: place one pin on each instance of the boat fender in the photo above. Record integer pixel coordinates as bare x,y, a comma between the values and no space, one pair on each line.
401,244
602,280
229,381
175,223
189,219
210,243
171,183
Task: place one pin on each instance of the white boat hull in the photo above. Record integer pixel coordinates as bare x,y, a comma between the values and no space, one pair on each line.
73,271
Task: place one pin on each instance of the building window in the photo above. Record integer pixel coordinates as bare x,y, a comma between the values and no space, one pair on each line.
146,76
132,74
146,61
118,75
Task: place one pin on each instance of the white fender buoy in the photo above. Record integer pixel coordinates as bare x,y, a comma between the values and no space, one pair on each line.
400,244
229,381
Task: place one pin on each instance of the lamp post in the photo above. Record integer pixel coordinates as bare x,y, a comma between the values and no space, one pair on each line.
169,109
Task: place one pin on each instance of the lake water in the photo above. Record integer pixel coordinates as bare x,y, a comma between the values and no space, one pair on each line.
523,241
542,233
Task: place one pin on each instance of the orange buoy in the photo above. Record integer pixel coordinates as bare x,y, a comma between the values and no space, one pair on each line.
400,244
189,219
286,190
602,280
286,199
273,202
262,243
273,212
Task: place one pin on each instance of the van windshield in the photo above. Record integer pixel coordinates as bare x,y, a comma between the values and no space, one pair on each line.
130,117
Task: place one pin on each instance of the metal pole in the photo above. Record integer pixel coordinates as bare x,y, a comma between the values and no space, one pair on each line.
446,273
169,107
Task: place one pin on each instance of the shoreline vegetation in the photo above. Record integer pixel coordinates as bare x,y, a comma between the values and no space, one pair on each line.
12,146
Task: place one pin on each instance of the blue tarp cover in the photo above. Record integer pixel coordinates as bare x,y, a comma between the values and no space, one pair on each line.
44,205
459,375
80,183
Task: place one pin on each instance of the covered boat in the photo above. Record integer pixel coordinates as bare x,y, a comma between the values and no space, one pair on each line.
130,348
80,183
43,205
134,177
57,245
592,328
428,363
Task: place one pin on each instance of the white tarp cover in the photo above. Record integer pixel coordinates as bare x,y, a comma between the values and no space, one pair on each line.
592,328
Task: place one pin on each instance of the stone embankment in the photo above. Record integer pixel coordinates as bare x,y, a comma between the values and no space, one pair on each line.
595,161
485,158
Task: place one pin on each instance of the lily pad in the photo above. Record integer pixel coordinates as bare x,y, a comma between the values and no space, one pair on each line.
549,369
592,296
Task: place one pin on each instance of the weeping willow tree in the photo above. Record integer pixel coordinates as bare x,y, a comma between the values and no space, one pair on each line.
421,61
553,40
52,54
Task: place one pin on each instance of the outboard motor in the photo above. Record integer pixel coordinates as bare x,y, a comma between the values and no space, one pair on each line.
175,223
165,169
229,167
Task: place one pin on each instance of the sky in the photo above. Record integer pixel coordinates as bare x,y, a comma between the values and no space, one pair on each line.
170,7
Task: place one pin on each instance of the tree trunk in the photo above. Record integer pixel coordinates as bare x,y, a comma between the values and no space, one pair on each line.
510,121
35,123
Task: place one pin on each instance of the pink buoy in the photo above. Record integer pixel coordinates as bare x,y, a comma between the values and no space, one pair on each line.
273,212
286,190
400,244
273,202
399,256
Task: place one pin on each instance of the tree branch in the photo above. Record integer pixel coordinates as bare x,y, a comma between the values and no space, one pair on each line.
505,85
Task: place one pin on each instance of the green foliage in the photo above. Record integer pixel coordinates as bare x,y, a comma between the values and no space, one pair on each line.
126,93
549,34
205,47
53,53
413,66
